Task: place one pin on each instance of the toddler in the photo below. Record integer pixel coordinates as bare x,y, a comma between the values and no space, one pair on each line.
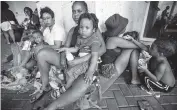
87,43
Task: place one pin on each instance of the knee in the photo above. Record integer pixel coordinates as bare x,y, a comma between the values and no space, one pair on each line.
136,51
117,70
41,54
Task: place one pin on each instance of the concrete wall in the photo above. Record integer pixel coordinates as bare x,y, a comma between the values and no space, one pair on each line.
133,10
63,11
17,7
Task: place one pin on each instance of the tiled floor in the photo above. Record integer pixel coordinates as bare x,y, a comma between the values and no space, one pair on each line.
119,96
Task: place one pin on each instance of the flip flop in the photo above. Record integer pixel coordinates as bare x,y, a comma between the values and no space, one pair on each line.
40,93
144,105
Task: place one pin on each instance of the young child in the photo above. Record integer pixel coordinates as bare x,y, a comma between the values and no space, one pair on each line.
158,76
87,43
31,48
38,40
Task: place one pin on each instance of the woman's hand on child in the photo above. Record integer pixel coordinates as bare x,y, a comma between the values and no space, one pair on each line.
61,49
88,77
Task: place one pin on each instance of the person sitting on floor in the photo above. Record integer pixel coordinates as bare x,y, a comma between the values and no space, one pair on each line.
87,43
31,47
158,76
119,50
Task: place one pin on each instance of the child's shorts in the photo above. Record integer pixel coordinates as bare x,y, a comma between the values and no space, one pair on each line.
154,86
108,70
77,70
5,26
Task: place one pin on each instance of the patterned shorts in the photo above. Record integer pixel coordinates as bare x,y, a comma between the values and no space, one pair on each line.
108,70
78,69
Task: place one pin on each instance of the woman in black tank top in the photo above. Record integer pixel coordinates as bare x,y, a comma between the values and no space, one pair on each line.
119,51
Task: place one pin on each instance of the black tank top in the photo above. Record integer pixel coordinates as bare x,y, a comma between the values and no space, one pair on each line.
110,56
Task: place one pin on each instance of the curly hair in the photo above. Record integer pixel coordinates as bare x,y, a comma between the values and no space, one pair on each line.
165,46
83,3
133,34
37,31
30,10
90,16
47,10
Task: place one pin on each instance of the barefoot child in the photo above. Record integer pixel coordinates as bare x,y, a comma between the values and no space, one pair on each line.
31,48
87,43
158,76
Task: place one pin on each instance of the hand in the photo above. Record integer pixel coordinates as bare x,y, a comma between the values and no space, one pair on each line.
127,37
63,62
61,49
88,77
72,63
142,68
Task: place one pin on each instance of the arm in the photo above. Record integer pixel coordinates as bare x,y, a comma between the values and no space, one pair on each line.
69,37
57,45
67,44
102,50
93,62
140,45
27,55
71,49
92,67
159,72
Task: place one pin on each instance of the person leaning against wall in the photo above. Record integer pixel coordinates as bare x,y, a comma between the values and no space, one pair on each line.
73,93
54,35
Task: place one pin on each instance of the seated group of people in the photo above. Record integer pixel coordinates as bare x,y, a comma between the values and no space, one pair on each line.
84,46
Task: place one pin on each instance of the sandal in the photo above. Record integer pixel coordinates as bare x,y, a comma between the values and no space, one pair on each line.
39,95
144,105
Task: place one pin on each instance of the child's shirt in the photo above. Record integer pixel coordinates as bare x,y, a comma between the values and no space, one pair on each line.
27,45
144,58
85,45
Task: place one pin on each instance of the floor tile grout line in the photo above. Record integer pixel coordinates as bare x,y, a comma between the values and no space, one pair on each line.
122,94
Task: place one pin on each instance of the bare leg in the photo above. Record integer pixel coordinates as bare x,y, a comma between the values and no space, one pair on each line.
6,36
45,58
11,33
69,83
134,64
31,63
77,90
122,61
115,42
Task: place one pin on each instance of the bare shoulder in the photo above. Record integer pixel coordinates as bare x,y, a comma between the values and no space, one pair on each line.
164,65
71,30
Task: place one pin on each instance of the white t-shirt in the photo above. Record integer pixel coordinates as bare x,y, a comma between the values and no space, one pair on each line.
56,34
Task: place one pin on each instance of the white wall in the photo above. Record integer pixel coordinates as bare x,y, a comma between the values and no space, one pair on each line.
17,7
63,11
133,10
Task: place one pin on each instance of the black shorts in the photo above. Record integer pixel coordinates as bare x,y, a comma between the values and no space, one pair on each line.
154,86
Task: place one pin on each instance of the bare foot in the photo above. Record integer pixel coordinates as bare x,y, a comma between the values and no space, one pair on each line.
135,82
